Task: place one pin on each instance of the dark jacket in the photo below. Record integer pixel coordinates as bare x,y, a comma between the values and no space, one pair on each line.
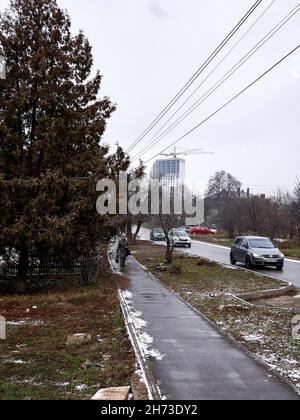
123,248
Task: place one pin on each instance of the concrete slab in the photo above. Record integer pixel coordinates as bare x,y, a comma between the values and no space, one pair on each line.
112,394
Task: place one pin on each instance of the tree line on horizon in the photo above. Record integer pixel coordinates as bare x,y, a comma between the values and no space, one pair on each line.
274,216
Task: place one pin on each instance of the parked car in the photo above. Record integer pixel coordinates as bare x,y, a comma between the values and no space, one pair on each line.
157,234
186,228
179,237
202,231
256,251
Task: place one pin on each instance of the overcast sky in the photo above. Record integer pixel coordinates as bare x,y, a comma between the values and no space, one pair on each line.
148,49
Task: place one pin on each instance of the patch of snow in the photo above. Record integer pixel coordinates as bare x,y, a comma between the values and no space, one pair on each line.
229,267
253,338
63,385
81,388
146,339
141,376
135,318
16,362
21,346
127,295
28,382
25,322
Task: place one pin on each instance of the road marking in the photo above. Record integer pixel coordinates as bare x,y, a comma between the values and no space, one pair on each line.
293,261
209,244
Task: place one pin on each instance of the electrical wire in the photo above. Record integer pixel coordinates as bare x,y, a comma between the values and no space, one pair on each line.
152,139
221,81
195,76
227,103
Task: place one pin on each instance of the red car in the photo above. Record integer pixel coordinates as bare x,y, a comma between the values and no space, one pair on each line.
202,231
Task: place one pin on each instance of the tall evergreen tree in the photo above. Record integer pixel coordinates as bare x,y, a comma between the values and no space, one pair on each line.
51,125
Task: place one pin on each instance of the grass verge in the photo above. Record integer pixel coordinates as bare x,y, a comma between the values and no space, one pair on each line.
35,361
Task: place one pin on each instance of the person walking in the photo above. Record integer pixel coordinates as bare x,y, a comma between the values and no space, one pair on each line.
123,251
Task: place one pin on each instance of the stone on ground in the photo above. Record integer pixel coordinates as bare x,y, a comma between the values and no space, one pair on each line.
112,394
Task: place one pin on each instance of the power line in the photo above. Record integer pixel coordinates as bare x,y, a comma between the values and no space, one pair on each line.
227,103
206,78
223,79
194,77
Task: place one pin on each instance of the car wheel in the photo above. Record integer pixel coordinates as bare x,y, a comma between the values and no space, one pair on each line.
248,263
279,267
232,260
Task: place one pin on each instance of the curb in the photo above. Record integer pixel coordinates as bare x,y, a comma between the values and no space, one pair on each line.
267,293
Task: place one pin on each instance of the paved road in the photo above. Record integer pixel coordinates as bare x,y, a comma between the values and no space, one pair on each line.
198,362
291,272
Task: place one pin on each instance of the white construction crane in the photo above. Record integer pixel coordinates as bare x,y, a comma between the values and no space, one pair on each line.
186,152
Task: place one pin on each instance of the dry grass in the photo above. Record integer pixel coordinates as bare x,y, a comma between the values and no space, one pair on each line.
36,363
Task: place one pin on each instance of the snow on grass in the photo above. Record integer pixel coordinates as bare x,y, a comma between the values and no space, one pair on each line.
25,322
229,267
81,388
16,362
254,338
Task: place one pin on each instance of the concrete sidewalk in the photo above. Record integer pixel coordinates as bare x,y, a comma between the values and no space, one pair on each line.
191,359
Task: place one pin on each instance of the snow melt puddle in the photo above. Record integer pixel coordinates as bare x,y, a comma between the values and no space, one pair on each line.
135,319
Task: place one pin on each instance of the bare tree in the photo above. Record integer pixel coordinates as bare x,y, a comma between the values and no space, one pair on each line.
223,185
295,209
167,223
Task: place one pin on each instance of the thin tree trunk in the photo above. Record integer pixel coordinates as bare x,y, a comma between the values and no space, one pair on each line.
129,233
137,231
169,252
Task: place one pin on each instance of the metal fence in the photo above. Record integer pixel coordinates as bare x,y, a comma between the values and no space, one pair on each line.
86,269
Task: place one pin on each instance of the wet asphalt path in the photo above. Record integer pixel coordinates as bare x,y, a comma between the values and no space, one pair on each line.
291,272
198,362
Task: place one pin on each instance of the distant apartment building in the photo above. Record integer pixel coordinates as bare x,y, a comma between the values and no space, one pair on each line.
170,171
